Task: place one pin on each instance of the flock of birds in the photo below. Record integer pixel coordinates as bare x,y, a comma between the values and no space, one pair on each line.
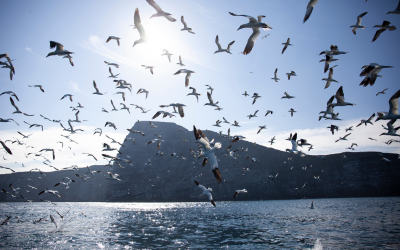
206,148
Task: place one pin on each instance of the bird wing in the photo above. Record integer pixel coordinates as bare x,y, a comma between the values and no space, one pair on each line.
12,103
108,39
187,79
394,103
180,110
6,148
377,34
95,86
184,23
209,98
138,23
251,19
340,95
154,5
217,42
360,17
251,41
229,45
310,8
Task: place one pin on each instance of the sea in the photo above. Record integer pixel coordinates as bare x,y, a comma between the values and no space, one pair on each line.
345,223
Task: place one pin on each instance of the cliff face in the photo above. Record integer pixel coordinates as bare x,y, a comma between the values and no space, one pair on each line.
170,178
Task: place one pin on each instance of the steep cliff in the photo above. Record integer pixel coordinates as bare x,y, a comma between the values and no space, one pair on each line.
171,178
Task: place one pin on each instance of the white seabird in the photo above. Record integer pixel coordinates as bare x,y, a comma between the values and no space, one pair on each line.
329,79
255,96
310,7
37,86
59,50
188,74
185,27
385,26
261,128
139,27
292,73
179,105
94,93
328,59
211,102
286,45
287,96
67,95
113,37
149,67
194,93
180,62
160,12
294,145
206,191
112,64
111,73
358,24
393,109
340,99
208,152
276,75
343,138
255,25
239,191
392,131
166,53
220,49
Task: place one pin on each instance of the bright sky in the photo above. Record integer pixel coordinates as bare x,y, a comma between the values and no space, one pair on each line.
84,26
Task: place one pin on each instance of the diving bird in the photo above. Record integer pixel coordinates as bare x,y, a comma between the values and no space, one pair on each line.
149,67
286,45
113,38
208,152
358,24
239,191
139,27
393,109
340,99
220,49
396,11
180,62
37,86
185,27
276,75
160,12
255,25
385,26
94,93
188,74
194,93
206,191
329,79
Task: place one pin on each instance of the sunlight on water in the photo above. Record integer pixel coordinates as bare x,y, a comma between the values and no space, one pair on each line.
287,224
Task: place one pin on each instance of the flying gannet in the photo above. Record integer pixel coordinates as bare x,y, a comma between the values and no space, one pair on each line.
220,49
